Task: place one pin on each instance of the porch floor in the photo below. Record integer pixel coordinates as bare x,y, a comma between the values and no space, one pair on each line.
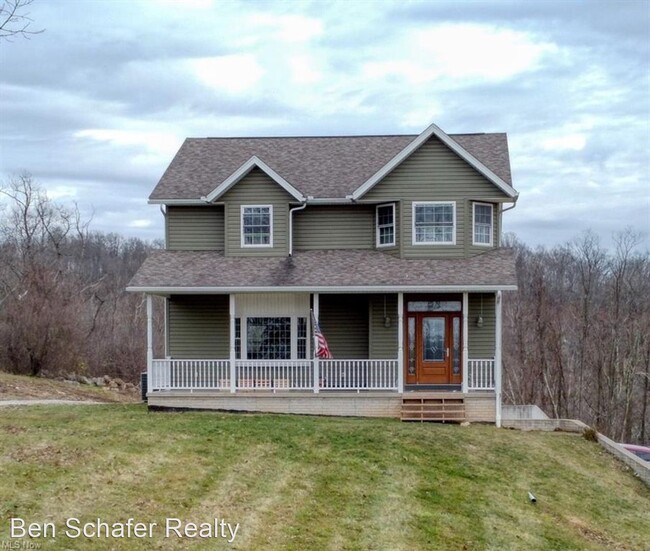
433,388
478,406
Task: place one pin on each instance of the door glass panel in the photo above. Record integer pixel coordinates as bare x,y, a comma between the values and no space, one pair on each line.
411,344
433,339
456,345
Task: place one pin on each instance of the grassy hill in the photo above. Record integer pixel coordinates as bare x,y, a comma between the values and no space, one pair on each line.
315,483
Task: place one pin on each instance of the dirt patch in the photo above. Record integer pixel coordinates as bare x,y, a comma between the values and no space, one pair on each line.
47,455
18,387
593,535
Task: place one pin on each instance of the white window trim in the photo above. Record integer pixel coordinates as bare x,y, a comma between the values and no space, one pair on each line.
474,224
377,243
433,243
241,226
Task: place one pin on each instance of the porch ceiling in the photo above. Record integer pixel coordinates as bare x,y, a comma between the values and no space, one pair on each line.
336,270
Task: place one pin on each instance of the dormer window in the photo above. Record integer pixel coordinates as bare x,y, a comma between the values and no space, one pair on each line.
257,226
483,224
386,225
434,223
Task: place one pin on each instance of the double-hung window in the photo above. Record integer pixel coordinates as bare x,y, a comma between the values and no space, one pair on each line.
434,223
386,225
483,217
257,226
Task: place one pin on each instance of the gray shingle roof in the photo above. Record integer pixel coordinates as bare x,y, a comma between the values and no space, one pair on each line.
333,268
323,167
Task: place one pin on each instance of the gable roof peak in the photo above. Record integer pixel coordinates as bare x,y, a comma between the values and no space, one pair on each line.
243,170
433,130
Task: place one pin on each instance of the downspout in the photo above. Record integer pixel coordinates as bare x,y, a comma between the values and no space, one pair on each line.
163,210
501,211
291,211
514,204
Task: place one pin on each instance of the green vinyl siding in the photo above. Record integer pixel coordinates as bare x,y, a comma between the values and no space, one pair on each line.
334,227
198,327
481,340
435,173
194,228
256,188
382,339
344,322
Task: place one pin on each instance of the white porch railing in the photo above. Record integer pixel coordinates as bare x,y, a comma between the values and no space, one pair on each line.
274,374
189,374
480,374
178,374
358,374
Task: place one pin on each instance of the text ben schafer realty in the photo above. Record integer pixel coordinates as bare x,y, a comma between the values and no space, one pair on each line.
74,528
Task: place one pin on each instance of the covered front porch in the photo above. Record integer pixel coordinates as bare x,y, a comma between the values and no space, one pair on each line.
255,351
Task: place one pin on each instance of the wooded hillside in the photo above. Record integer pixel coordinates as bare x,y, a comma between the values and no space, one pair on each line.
576,335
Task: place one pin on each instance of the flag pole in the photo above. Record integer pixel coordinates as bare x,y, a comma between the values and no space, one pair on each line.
315,312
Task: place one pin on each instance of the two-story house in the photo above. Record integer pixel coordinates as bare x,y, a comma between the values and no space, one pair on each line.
390,242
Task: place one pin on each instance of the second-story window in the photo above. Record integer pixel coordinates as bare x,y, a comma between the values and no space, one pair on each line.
434,223
257,226
386,225
482,224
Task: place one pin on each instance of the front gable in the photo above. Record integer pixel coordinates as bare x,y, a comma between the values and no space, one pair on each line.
433,132
256,188
434,173
252,164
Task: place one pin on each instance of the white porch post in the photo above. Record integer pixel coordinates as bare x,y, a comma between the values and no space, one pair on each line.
497,358
149,343
315,360
400,343
233,360
465,341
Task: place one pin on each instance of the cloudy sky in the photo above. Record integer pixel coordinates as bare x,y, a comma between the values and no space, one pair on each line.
96,106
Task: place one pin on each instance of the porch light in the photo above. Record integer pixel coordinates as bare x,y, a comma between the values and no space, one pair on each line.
479,321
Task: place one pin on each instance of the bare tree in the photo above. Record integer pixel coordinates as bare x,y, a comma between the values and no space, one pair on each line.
63,305
577,333
15,21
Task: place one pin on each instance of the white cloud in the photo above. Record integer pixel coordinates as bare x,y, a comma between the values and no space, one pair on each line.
461,52
155,142
287,28
62,192
303,70
572,142
140,223
480,51
232,73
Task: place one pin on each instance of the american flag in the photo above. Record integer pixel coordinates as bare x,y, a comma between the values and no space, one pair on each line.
322,348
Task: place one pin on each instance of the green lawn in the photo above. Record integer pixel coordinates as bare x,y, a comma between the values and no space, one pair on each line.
314,483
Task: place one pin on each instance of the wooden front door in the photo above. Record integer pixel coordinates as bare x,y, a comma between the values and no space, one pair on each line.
433,348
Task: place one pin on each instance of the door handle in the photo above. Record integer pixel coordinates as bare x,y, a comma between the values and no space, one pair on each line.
447,352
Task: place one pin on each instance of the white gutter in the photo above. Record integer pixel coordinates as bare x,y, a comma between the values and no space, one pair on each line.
291,211
326,289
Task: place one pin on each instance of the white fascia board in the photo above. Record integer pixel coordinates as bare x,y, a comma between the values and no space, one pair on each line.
327,289
173,202
433,130
329,201
243,170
